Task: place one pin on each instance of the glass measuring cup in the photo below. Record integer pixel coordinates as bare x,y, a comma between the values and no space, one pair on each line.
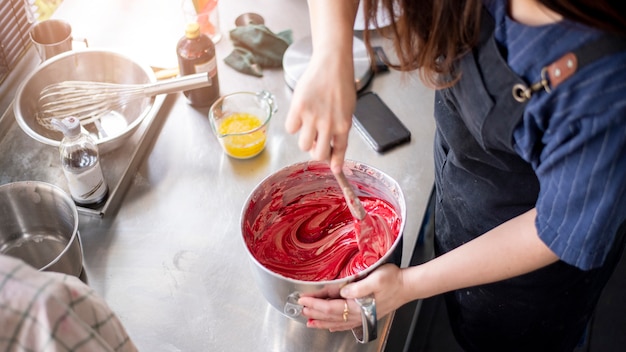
240,121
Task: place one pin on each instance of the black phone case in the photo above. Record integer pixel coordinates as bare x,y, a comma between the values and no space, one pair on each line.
381,128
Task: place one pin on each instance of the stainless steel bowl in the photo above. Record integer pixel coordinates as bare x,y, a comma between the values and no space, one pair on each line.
302,178
39,225
85,65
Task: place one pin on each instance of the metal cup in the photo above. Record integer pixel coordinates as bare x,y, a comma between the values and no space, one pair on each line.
52,37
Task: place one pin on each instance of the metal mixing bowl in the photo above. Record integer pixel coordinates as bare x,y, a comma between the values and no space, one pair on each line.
39,225
287,185
85,65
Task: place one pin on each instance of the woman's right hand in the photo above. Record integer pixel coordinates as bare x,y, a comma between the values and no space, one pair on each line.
321,109
325,96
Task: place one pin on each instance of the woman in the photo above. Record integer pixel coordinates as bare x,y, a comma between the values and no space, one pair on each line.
529,160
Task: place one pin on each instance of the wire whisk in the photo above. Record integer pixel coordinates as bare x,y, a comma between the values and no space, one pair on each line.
88,101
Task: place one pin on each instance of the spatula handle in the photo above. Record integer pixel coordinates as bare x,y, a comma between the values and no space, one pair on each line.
354,204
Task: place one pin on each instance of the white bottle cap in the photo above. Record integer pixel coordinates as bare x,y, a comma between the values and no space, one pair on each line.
70,126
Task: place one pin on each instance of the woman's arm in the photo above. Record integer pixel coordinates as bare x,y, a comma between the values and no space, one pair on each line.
509,250
325,95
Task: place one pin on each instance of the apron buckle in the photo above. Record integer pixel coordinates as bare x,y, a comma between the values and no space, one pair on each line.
523,93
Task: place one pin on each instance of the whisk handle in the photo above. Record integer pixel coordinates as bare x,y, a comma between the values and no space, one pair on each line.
178,84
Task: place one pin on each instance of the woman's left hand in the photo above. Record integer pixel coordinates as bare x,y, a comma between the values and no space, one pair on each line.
344,313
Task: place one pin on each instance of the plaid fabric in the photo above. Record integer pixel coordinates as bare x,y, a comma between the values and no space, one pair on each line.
45,311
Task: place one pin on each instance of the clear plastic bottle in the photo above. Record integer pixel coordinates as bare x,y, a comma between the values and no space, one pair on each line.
81,164
196,54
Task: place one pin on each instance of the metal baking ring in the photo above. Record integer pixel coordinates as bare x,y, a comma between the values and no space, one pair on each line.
298,55
368,331
249,18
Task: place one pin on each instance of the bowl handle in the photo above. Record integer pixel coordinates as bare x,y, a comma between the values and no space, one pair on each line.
270,99
292,309
367,332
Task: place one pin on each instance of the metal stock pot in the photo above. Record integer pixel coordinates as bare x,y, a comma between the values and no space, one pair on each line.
39,225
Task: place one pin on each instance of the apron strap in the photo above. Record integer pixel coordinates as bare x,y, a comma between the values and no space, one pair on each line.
560,70
568,64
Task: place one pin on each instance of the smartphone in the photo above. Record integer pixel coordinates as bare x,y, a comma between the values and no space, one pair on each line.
381,128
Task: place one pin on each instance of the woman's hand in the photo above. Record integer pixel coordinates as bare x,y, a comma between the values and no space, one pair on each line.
325,96
386,283
321,109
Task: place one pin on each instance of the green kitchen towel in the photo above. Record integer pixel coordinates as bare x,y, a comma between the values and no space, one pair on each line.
256,47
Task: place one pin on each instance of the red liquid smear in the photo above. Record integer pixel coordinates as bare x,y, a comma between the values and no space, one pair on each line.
313,238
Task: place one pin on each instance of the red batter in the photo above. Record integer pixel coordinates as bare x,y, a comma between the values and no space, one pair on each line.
313,238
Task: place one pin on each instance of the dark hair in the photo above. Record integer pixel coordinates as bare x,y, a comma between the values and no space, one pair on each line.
606,15
430,35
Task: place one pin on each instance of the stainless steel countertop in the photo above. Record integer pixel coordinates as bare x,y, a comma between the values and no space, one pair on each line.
170,260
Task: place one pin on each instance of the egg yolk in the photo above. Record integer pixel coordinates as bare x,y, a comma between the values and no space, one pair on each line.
237,143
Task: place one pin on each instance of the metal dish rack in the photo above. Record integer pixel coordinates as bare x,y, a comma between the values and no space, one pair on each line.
16,21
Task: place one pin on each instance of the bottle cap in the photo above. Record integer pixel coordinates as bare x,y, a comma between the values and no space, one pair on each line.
70,126
192,30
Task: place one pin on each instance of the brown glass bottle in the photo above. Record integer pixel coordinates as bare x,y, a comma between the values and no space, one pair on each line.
196,53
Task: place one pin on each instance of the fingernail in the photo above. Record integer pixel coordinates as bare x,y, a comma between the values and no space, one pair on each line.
345,292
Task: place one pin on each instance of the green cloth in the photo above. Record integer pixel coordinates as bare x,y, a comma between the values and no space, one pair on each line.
256,47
